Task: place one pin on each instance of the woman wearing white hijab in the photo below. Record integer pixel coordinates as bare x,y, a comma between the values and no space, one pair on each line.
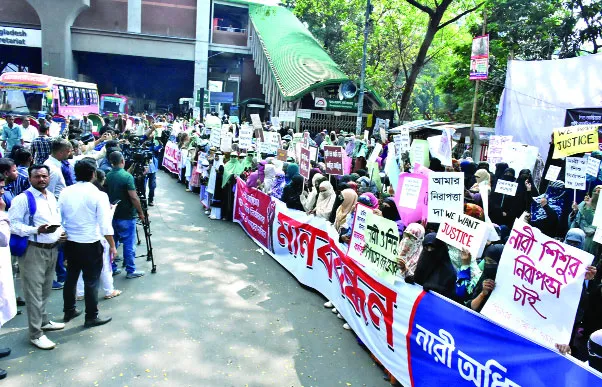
325,200
270,177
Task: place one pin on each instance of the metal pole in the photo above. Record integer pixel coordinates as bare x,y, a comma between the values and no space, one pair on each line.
360,101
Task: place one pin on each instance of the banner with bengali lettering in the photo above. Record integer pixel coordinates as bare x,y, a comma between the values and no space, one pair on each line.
254,211
538,286
445,192
171,158
421,338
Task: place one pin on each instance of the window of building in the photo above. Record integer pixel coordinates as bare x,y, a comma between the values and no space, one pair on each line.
230,25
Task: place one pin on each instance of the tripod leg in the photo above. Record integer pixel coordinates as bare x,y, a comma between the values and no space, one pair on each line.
138,235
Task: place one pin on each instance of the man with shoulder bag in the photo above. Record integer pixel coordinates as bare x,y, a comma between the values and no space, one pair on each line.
35,223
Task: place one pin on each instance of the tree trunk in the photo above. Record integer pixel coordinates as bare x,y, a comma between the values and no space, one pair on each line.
419,63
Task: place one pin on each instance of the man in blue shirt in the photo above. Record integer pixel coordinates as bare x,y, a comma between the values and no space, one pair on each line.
15,183
11,134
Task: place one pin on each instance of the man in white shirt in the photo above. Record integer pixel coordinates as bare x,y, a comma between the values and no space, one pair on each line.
85,213
28,132
85,125
38,263
61,150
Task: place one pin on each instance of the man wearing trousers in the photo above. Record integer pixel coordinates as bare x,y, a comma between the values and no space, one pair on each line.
85,212
38,263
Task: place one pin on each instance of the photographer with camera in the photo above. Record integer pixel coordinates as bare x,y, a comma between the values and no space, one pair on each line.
122,191
154,150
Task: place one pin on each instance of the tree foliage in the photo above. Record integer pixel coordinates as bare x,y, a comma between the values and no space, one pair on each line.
419,50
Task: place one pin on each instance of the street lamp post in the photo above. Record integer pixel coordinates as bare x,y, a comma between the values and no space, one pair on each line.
360,101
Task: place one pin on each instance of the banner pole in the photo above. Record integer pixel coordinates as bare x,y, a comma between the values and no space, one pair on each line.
575,195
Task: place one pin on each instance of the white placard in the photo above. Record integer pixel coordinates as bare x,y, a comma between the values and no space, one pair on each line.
226,142
215,137
410,192
245,136
574,174
538,286
287,115
357,241
494,152
553,172
440,148
304,113
445,193
463,231
256,121
593,166
506,187
375,153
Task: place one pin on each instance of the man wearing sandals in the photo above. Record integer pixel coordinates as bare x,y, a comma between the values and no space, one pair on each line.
85,213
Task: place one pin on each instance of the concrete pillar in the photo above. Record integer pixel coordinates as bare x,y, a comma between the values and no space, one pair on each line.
135,16
201,47
56,18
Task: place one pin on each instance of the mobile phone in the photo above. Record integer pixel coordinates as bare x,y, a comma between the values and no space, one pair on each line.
53,227
116,202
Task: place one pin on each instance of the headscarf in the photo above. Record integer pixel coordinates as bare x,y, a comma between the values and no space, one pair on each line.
494,252
509,175
310,202
231,168
500,168
278,185
474,211
555,196
369,200
455,256
434,271
354,176
269,177
469,168
482,175
594,350
389,210
325,200
247,162
348,205
252,180
576,235
410,246
293,191
312,172
367,185
291,171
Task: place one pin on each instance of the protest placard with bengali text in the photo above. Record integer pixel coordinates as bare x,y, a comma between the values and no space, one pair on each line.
226,142
506,187
553,172
304,164
287,115
411,197
358,231
495,149
419,153
445,193
593,166
463,231
575,139
575,173
245,136
381,248
171,157
333,158
538,286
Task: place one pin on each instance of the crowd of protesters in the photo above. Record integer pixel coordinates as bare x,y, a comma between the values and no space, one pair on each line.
423,259
68,201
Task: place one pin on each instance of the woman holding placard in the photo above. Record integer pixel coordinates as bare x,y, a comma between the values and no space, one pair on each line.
582,217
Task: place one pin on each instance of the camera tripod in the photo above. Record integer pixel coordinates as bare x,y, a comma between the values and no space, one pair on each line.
138,172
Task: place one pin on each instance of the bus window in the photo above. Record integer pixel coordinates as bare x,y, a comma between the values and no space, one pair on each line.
63,96
84,94
78,100
70,96
93,100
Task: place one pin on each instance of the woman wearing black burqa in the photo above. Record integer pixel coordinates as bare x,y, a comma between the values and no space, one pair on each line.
500,168
503,208
525,192
434,270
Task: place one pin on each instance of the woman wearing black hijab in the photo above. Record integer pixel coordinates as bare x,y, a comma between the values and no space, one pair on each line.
291,195
389,210
525,192
502,208
434,270
486,283
500,168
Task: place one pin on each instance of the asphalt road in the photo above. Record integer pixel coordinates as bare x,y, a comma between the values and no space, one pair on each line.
216,313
